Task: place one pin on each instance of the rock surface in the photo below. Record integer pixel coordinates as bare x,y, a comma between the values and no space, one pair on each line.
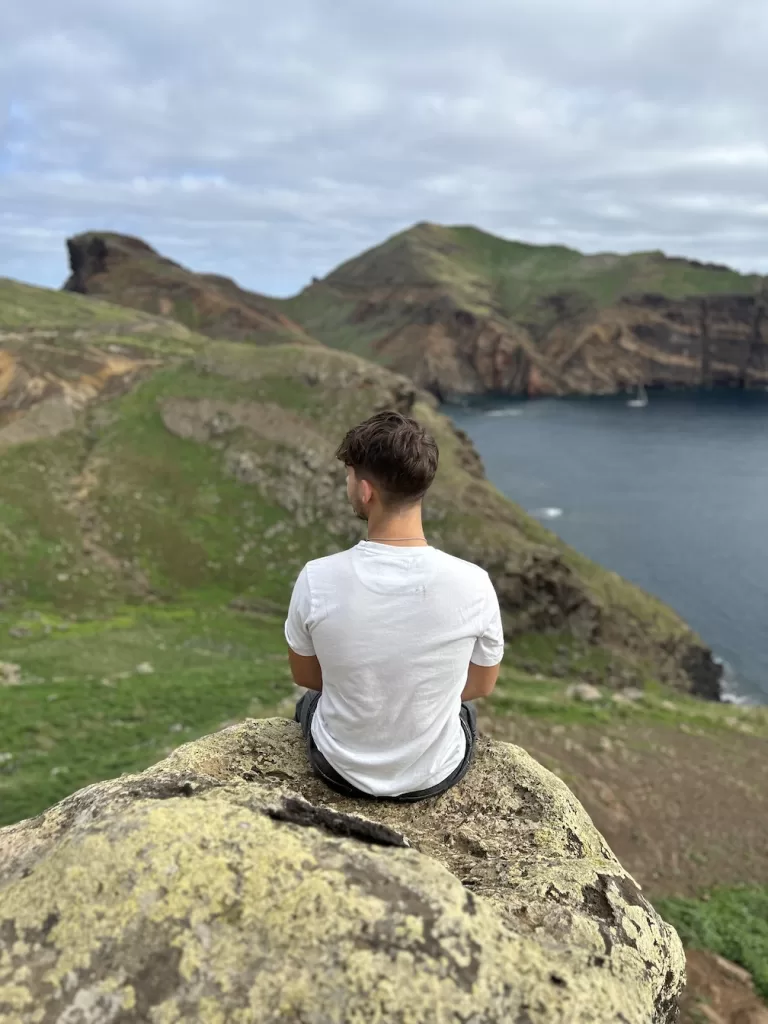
649,340
226,884
47,381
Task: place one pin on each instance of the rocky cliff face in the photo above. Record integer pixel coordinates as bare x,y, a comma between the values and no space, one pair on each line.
226,883
463,313
128,271
697,342
719,341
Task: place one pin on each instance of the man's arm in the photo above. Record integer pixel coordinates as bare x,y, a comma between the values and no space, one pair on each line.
305,668
306,672
481,681
489,649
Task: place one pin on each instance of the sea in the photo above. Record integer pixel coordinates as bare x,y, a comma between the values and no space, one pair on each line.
672,495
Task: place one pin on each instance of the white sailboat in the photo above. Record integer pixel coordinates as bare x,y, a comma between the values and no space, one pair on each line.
641,400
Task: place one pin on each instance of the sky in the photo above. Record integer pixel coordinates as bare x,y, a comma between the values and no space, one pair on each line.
269,142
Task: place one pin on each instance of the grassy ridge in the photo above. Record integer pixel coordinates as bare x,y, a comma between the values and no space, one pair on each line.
25,306
522,274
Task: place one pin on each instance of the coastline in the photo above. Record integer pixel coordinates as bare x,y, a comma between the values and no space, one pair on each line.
611,482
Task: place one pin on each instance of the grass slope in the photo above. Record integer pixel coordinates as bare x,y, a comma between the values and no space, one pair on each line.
730,922
521,274
114,694
111,528
24,306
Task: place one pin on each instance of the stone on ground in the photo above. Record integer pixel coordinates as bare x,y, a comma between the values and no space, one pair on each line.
585,692
10,675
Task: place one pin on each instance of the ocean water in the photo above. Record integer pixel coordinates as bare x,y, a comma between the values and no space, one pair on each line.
673,496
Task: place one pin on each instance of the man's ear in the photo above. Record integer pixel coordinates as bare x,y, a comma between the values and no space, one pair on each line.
366,491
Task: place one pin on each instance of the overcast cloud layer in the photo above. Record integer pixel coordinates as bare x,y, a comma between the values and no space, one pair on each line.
271,141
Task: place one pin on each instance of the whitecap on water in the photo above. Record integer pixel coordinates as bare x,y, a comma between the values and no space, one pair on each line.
547,513
504,412
729,692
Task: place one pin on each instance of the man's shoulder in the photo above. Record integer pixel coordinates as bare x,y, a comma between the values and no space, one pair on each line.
448,566
329,565
460,568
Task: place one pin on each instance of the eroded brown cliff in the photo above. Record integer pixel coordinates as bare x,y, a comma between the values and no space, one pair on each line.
130,272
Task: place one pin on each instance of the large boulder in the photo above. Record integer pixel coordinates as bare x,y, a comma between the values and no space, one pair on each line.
226,884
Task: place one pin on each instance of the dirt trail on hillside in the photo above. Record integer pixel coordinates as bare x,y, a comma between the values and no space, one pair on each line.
719,992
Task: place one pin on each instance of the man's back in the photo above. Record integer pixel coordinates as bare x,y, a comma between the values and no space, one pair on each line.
394,630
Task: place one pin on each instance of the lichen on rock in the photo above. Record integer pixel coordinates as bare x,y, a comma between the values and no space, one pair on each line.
226,884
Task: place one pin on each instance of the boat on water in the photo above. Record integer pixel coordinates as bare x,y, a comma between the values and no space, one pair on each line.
641,400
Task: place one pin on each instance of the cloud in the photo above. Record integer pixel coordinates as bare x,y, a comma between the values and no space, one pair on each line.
270,142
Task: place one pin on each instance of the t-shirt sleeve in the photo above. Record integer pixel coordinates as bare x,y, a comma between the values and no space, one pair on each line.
489,646
297,634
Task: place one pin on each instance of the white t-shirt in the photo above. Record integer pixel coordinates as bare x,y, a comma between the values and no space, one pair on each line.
394,630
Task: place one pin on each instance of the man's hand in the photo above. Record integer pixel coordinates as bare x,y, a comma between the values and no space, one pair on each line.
481,681
306,672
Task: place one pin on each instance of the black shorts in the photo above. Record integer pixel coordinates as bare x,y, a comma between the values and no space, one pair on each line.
305,712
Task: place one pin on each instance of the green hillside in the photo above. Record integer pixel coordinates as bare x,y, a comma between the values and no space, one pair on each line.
489,276
519,275
24,307
149,542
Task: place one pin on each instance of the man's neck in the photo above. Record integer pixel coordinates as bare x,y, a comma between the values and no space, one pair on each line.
404,529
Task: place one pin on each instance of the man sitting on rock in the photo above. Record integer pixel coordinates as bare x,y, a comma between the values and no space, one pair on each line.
392,638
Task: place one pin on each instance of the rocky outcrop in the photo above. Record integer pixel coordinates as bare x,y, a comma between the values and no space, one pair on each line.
44,385
543,595
451,351
704,672
226,883
128,271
